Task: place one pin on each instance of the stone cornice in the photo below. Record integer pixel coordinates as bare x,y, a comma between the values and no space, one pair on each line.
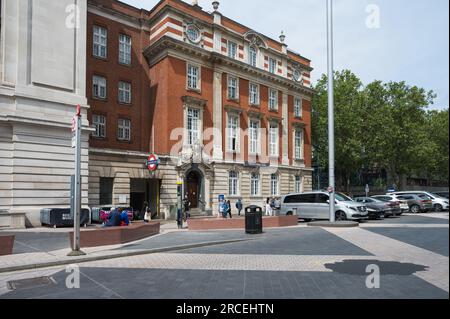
165,43
193,101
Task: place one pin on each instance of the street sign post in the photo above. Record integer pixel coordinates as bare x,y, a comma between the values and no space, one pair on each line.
331,161
76,130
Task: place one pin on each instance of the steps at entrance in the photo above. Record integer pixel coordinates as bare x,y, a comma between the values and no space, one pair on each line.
197,212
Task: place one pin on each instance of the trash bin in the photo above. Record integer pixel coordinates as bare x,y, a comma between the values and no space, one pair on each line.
253,220
60,217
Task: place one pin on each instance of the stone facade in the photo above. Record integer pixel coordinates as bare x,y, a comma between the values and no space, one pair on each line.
42,79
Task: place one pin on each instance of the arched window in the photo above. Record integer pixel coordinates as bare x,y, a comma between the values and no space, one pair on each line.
252,56
254,184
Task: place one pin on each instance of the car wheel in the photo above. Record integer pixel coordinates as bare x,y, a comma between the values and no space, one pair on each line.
438,208
306,220
415,209
289,214
340,216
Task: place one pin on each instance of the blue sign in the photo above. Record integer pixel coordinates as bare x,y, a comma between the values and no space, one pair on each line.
221,198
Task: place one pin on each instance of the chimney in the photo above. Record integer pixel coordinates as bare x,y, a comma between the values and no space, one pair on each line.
195,3
216,13
283,45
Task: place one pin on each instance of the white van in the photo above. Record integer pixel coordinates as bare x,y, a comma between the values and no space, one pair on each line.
315,205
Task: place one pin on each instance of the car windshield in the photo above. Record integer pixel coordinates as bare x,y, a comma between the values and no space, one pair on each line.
343,198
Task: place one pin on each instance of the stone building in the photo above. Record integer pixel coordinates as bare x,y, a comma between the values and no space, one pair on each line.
42,79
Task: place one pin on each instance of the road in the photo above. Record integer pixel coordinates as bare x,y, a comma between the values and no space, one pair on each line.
410,252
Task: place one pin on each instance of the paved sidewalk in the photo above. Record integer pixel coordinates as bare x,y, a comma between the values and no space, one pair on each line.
170,239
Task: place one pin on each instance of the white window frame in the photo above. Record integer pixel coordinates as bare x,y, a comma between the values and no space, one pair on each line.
100,41
99,121
298,184
230,87
274,185
274,139
124,130
273,99
255,184
254,95
124,92
99,87
299,144
125,44
233,183
233,132
193,132
253,59
254,137
272,65
232,49
298,107
191,77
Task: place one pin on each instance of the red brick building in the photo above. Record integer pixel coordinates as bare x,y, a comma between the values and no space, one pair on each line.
226,109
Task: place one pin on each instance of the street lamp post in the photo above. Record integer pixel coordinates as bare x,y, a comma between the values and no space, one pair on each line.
331,109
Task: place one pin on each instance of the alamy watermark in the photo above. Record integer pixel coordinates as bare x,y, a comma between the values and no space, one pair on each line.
373,20
373,279
73,279
72,16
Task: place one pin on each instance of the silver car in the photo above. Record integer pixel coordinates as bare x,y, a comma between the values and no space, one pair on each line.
439,203
316,205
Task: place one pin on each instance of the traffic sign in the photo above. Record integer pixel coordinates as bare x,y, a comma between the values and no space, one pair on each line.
330,190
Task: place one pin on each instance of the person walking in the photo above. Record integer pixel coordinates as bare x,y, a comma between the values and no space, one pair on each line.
239,206
187,208
221,209
229,209
268,208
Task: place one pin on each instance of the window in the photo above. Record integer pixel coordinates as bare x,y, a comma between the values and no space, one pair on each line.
252,56
100,42
233,133
254,184
298,145
233,184
322,198
272,65
274,185
232,50
233,84
273,99
106,190
193,33
193,126
254,137
273,140
124,49
193,76
99,87
254,94
298,107
124,92
124,131
99,122
298,184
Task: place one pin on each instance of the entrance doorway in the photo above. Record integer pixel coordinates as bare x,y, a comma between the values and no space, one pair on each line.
142,191
193,189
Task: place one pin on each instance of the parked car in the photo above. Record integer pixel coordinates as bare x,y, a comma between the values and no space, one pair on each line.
402,205
377,209
439,203
441,194
315,205
416,203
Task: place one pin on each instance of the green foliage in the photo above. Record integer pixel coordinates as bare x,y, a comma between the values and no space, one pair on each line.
381,125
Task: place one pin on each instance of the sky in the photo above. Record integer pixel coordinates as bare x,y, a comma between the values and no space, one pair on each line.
387,40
